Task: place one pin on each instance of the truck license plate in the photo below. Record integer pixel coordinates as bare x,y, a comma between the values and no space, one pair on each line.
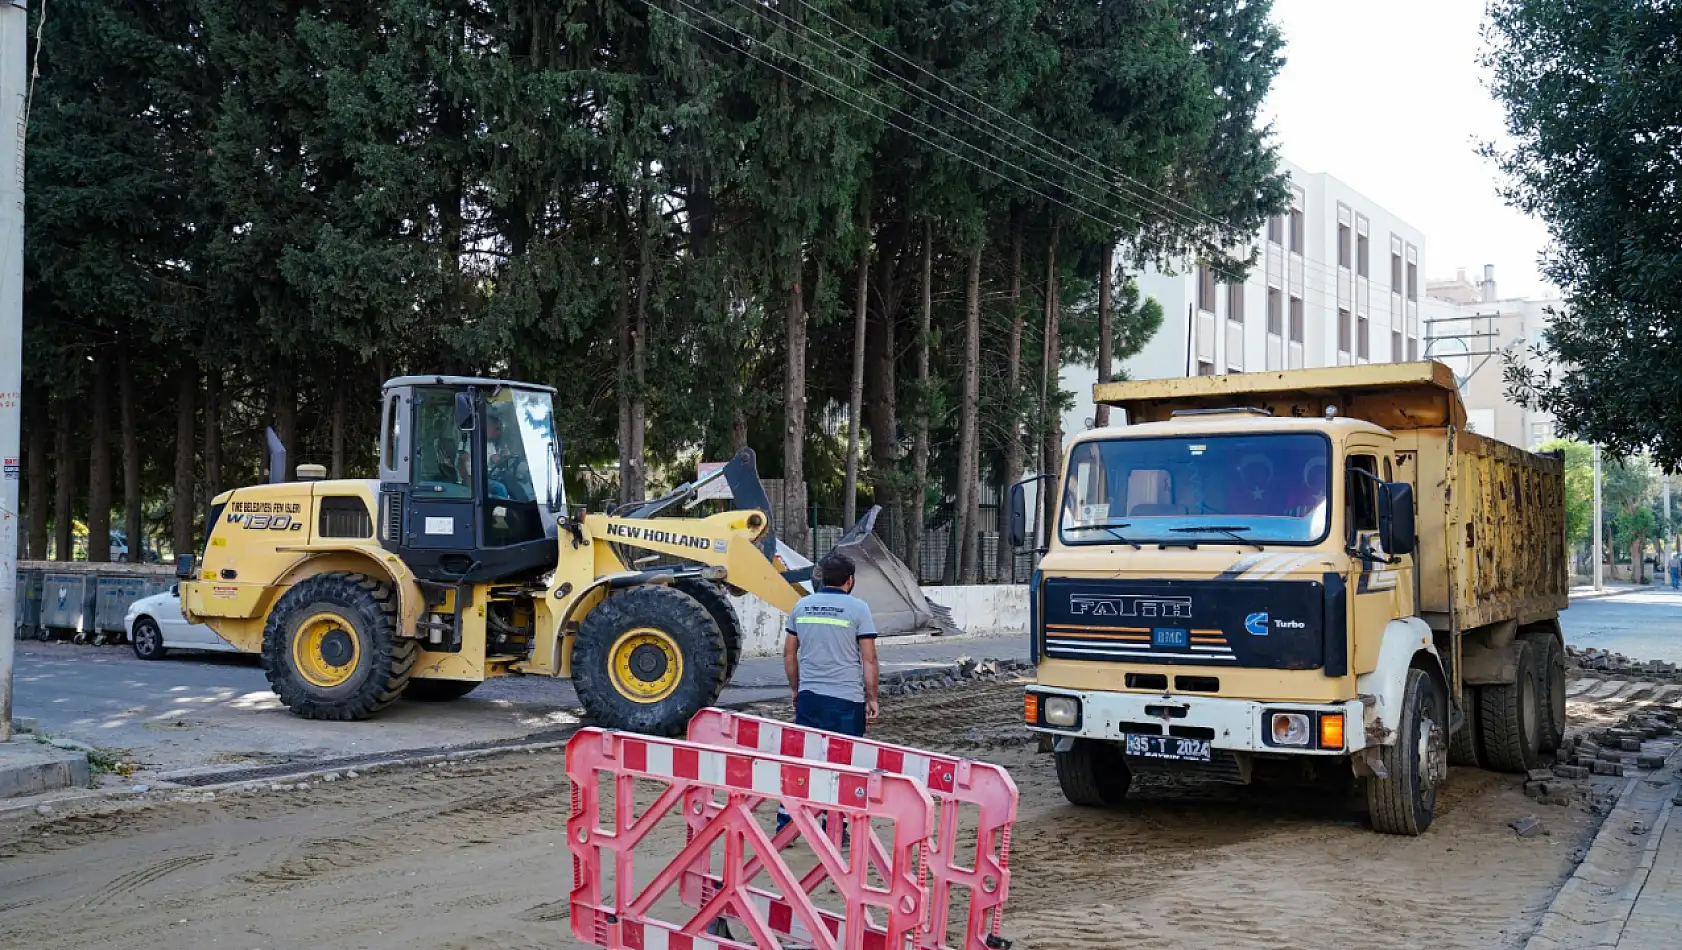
1168,747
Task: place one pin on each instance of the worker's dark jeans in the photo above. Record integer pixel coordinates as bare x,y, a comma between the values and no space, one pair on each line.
817,711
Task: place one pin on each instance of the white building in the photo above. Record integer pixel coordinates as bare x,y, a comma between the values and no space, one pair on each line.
1470,327
1336,282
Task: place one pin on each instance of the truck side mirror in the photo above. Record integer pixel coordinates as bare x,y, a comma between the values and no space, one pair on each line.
1395,518
184,565
1018,526
464,412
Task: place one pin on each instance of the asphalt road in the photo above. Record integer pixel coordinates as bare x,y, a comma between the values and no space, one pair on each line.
203,711
191,711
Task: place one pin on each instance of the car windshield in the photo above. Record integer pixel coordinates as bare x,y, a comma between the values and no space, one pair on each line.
1223,489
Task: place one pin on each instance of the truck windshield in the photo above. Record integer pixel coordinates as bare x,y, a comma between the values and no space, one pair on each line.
1266,488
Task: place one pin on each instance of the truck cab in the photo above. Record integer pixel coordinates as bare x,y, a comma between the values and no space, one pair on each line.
1233,584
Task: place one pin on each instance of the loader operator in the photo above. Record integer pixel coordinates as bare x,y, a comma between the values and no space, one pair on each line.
830,656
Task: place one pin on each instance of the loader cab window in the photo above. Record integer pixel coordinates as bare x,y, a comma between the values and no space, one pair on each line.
522,470
442,457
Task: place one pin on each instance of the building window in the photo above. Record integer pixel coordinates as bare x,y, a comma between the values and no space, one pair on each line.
1275,312
1395,273
1297,234
1205,369
1342,330
1395,346
1296,319
1343,246
1235,302
1205,290
1413,349
1276,229
1362,342
1413,281
1362,256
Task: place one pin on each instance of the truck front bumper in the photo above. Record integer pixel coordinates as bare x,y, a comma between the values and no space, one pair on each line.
1236,725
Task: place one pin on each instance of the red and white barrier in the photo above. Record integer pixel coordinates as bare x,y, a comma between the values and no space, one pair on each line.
693,777
981,868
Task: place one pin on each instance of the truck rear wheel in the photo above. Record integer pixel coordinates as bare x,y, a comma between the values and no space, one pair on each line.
1405,801
1512,717
437,691
1550,675
1466,747
647,660
717,601
1093,773
331,650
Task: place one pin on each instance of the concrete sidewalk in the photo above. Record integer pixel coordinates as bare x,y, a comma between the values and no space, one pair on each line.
1655,920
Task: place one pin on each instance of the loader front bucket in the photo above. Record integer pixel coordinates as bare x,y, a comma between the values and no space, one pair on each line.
884,582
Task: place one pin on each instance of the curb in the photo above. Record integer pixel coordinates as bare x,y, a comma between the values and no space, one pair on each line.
1557,928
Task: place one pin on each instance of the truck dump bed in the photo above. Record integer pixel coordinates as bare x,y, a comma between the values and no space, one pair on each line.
1490,516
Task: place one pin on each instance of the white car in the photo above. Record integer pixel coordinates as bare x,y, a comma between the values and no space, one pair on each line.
155,625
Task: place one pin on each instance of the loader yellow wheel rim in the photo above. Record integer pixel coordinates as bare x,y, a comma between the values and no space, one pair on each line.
646,665
325,650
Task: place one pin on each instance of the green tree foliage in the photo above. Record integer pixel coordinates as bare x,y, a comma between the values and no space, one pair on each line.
259,209
1591,89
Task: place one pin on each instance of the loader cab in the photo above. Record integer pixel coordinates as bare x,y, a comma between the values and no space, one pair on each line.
470,478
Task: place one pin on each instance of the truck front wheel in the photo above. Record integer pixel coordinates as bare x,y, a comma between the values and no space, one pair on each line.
1404,802
1093,773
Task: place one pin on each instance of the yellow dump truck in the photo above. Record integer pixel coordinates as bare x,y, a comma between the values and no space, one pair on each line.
1305,573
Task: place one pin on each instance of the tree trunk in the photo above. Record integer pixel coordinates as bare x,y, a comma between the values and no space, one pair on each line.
639,360
855,398
1106,331
99,467
1013,371
920,451
336,428
64,471
794,419
187,384
212,433
622,374
1050,425
134,524
969,448
286,420
38,478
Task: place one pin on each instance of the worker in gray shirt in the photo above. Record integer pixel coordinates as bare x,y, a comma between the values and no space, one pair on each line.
830,656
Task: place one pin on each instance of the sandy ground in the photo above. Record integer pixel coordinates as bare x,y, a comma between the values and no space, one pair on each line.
472,856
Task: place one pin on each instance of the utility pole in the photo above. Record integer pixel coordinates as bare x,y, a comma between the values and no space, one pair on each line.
1597,572
14,90
1665,547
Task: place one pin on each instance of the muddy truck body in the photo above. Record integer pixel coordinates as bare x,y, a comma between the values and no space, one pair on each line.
1308,574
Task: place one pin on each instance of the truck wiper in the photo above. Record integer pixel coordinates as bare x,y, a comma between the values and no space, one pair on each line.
1111,528
1230,530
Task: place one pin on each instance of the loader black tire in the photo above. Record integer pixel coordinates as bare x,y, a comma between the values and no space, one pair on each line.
716,599
1093,773
1404,802
1550,676
337,616
437,691
647,659
1466,747
1512,717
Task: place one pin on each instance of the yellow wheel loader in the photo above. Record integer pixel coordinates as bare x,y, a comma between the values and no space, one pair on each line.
463,562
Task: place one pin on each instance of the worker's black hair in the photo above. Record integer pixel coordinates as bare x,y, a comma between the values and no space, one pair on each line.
834,570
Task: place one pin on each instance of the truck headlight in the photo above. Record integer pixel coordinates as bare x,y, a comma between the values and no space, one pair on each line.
1061,711
1290,728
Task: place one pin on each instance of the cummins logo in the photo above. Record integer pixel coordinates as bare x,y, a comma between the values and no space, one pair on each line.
1128,605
